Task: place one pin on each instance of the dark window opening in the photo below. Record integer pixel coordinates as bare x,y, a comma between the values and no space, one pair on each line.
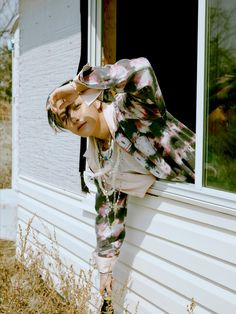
167,35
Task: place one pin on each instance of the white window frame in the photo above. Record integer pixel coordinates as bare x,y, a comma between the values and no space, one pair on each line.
194,194
94,58
94,32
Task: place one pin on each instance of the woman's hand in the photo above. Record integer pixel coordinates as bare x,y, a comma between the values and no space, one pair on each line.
106,284
64,96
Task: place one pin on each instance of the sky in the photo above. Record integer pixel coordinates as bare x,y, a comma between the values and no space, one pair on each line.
8,9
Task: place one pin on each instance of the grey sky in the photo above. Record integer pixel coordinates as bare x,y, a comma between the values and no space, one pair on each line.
8,9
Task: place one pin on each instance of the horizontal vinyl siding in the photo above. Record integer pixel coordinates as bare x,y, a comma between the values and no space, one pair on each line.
49,56
172,253
205,238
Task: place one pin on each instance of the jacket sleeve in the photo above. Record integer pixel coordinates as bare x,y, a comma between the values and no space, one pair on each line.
135,77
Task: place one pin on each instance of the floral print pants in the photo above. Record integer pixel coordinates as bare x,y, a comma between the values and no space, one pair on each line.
110,222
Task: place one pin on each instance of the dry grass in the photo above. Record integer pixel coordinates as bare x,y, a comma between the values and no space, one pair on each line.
37,281
191,306
28,285
5,145
5,177
5,110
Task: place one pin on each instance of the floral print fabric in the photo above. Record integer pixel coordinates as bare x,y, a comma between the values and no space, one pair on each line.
110,224
146,130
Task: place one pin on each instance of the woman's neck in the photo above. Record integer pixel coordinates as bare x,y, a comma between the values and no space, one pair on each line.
103,132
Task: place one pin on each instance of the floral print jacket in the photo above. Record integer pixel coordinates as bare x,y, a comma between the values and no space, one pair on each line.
146,130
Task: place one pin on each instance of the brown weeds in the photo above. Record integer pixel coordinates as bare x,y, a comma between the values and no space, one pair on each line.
191,306
37,281
5,145
34,279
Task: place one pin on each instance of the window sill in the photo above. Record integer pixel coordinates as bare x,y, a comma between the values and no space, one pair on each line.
212,199
216,200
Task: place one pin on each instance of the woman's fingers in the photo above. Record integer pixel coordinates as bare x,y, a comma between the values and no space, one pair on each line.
106,284
64,96
68,101
109,287
55,106
102,283
62,92
64,104
57,94
61,97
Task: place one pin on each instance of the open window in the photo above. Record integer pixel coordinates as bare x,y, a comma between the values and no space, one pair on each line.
176,39
167,36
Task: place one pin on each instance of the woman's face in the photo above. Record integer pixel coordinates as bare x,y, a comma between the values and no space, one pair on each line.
81,119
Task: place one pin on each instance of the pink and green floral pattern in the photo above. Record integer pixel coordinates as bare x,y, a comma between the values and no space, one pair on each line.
146,130
110,225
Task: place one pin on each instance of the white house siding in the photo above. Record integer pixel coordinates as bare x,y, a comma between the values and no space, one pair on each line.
49,55
174,250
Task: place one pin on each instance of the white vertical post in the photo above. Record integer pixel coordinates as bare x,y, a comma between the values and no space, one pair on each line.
94,31
200,93
94,55
98,42
15,113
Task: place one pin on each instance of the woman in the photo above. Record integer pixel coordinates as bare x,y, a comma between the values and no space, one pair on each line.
133,141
